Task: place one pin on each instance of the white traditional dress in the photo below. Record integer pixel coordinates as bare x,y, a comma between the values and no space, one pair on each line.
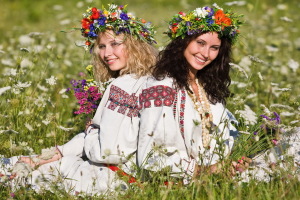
111,141
170,134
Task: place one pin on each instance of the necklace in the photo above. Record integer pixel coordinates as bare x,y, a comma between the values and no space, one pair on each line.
203,107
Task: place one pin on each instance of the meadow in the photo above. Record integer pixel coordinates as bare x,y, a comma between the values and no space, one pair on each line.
40,55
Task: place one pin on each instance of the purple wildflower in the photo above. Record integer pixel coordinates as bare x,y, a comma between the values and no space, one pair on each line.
124,16
88,99
210,11
277,118
188,23
74,83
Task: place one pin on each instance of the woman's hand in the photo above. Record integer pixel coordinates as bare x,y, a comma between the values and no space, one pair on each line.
235,166
27,160
49,155
88,123
240,165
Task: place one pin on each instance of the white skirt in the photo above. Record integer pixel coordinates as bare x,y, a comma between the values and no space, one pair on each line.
70,173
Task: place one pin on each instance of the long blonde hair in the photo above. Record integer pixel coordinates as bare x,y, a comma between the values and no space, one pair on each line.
141,57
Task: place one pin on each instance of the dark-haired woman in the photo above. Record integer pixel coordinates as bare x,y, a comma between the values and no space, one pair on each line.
184,123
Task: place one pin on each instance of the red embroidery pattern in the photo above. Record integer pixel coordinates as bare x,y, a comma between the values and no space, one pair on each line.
181,113
120,98
160,94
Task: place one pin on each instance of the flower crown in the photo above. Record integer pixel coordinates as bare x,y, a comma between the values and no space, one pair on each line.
205,19
117,19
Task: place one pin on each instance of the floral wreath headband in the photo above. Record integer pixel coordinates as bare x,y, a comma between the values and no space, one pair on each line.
114,18
205,19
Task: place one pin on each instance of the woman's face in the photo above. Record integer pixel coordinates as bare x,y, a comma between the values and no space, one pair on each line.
112,50
202,50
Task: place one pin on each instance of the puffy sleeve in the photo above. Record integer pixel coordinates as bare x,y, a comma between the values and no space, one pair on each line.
73,147
114,138
160,142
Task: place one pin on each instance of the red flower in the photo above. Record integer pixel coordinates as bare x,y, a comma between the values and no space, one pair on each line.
88,43
182,13
85,23
94,10
95,14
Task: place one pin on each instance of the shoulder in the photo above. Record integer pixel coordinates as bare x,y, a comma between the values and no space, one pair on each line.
129,81
151,81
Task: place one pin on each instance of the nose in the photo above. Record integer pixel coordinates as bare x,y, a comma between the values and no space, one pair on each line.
205,52
108,51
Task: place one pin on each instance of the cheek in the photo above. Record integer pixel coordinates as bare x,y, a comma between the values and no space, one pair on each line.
214,55
101,54
122,54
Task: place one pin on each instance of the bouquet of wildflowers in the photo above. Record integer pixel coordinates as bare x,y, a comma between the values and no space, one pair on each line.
258,138
88,93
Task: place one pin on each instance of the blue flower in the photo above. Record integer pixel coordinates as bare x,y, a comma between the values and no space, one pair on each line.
92,34
101,20
5,161
210,21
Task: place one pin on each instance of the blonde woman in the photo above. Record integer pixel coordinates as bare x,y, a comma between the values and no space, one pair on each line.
91,161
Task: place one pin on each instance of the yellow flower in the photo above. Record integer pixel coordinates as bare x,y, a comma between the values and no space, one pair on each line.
105,12
89,80
86,88
89,9
89,68
186,18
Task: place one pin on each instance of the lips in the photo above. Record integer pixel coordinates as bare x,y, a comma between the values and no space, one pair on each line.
200,60
110,61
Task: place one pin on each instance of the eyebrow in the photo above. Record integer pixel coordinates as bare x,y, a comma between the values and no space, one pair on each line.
206,42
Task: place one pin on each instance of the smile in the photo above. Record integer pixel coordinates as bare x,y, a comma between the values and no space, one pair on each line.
110,61
201,61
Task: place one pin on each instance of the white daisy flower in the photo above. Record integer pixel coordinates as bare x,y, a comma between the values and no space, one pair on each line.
51,81
201,12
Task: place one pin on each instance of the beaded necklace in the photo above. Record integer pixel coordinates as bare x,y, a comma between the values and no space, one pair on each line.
203,108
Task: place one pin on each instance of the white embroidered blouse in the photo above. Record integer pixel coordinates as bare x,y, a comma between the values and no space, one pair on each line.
114,136
170,129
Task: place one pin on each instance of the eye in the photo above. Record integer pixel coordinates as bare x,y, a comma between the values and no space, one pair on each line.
215,48
115,43
201,42
101,46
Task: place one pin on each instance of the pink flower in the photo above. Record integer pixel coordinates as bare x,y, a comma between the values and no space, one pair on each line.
274,141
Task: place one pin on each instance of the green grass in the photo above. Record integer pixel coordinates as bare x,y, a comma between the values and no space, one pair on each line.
39,110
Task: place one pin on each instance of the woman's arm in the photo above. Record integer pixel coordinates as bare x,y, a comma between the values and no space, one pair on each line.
47,156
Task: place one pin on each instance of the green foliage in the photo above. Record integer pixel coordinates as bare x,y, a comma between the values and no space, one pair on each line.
36,115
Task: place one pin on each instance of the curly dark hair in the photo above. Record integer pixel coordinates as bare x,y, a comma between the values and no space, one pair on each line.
214,77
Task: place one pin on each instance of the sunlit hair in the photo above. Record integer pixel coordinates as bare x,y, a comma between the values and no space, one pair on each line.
141,57
214,77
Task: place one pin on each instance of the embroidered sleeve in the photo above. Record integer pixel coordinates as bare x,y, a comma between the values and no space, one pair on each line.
160,95
127,104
